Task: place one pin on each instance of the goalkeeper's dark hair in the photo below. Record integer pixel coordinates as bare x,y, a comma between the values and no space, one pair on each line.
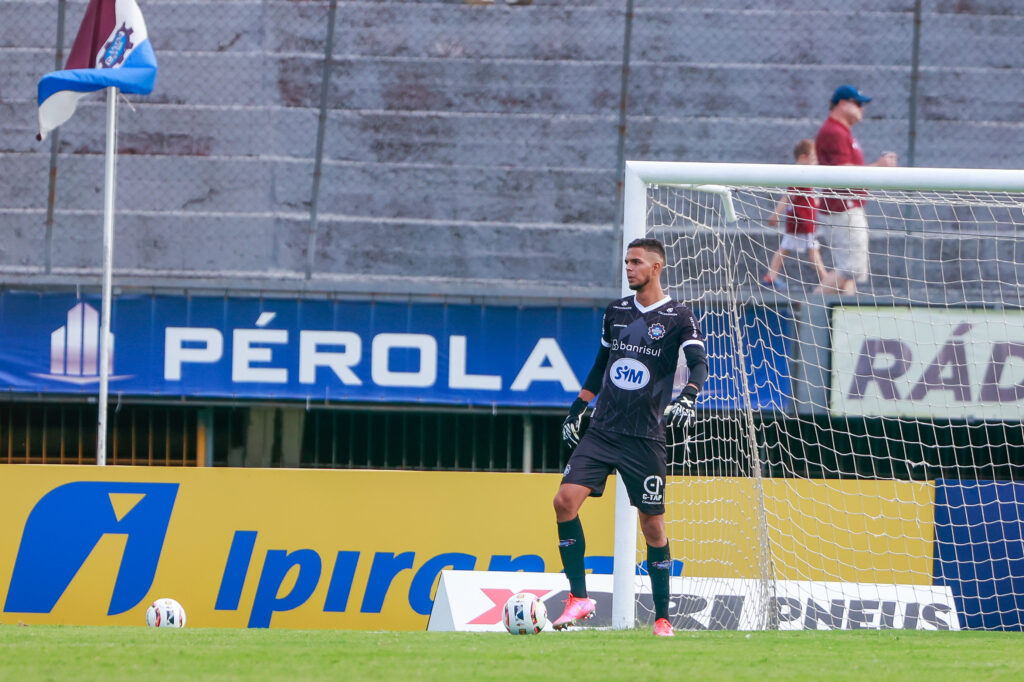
649,244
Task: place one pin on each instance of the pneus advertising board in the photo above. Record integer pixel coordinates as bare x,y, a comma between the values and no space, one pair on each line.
356,550
927,362
469,601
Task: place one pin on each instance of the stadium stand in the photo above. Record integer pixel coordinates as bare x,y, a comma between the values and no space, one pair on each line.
476,142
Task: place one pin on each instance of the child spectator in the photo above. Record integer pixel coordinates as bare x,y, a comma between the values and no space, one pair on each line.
800,206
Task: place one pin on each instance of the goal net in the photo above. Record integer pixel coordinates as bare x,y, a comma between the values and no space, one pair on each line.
858,457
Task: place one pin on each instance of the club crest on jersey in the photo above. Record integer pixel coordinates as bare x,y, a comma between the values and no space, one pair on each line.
656,331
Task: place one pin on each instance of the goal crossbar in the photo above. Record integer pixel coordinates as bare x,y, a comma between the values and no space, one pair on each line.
794,175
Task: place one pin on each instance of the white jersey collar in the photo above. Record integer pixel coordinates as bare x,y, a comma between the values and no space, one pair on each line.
652,306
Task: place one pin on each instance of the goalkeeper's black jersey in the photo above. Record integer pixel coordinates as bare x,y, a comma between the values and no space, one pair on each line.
644,346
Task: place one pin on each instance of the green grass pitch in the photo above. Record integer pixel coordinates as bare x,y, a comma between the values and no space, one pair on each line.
133,653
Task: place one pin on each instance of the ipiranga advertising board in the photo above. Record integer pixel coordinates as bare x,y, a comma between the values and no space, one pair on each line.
927,362
364,549
264,547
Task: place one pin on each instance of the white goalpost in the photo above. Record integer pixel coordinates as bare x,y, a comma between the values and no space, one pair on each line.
858,455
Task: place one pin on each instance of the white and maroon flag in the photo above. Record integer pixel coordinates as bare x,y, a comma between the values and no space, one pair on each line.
112,49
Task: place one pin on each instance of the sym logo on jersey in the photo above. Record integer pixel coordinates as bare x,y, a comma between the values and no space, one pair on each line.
629,374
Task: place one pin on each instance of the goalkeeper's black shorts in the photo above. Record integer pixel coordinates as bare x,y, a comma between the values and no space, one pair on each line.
640,461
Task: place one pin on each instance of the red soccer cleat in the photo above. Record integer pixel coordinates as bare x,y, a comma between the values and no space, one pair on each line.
662,628
576,609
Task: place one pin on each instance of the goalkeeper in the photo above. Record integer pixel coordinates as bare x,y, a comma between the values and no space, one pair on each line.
642,336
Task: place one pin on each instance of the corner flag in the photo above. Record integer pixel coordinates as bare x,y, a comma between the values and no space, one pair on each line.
112,49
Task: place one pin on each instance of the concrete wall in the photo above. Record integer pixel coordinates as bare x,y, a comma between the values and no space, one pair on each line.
470,150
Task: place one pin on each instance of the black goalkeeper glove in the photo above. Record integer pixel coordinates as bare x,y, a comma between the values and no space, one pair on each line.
679,413
572,426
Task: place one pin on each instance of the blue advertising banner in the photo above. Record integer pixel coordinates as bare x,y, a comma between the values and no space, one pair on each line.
344,351
767,336
979,550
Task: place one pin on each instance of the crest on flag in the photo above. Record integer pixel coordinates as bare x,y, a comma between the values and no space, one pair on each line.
111,49
118,48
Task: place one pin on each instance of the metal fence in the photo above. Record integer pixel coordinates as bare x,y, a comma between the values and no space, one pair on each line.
65,433
457,148
260,435
424,440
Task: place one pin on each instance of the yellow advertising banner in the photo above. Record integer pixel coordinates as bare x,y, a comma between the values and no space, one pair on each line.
363,549
266,547
856,531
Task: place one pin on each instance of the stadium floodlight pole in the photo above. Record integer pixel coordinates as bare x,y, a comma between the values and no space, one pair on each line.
109,179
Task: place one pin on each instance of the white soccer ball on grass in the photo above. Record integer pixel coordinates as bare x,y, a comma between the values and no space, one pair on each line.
165,613
525,614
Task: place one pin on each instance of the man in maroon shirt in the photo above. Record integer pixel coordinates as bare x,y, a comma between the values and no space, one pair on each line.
843,211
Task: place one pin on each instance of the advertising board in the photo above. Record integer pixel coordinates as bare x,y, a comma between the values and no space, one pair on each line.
265,547
364,549
979,550
472,602
320,350
927,362
331,351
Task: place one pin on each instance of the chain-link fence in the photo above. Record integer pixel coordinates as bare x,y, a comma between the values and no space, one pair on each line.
461,148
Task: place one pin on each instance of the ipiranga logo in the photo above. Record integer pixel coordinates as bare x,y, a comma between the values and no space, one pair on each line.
68,522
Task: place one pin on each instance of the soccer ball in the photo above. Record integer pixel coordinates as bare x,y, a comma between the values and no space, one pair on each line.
525,614
165,613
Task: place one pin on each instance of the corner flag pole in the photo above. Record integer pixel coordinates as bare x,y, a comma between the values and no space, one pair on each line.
112,52
109,181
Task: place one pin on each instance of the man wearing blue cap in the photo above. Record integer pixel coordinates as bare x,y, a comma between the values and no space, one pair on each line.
843,210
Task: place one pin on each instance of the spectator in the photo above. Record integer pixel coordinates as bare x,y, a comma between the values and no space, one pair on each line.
800,206
843,210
